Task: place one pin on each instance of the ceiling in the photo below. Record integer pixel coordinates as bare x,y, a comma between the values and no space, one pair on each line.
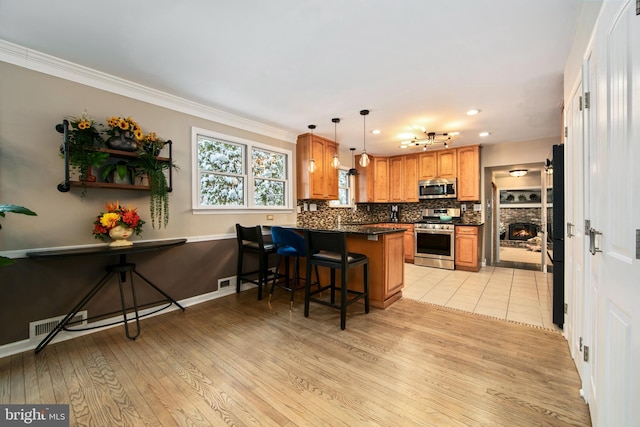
291,63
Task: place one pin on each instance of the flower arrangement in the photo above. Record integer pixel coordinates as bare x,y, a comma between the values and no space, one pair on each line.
84,138
116,215
152,143
124,124
82,130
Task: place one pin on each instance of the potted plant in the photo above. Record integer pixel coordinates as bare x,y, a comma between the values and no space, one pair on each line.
152,143
154,168
14,209
121,172
124,133
83,140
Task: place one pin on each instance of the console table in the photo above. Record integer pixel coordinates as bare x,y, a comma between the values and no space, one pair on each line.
120,270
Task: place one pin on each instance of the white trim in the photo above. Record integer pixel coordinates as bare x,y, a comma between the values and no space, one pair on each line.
47,64
249,145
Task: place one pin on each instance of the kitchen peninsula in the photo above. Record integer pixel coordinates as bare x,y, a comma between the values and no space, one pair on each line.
384,247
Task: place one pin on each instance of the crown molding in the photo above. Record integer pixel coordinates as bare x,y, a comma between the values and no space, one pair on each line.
37,61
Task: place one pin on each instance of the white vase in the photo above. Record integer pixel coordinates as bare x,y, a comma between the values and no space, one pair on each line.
120,234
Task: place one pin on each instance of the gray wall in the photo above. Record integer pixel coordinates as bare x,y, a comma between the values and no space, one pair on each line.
31,104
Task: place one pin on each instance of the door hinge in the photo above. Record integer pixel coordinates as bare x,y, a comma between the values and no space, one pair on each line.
580,343
586,353
586,100
566,129
637,7
566,308
580,103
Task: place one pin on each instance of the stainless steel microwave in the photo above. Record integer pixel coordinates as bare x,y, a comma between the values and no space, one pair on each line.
442,188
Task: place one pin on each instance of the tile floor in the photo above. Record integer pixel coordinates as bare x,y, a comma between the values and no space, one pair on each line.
522,296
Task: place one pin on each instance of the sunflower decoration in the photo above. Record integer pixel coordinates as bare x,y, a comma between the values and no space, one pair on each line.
124,124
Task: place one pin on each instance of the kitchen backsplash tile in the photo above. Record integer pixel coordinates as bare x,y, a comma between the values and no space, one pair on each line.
326,216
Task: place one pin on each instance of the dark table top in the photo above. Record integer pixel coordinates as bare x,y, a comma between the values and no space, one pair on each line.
108,250
368,230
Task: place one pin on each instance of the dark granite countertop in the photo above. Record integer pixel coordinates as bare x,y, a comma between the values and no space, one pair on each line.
472,224
356,229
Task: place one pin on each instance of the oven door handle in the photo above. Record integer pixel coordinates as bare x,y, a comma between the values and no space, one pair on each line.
434,231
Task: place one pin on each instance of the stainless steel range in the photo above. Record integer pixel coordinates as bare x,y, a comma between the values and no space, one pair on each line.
435,238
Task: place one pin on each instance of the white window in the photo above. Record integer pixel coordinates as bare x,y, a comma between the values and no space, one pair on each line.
232,173
346,196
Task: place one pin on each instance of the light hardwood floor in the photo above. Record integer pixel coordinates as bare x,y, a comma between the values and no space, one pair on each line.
238,361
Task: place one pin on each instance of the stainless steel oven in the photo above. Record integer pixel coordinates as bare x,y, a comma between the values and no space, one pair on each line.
435,245
435,238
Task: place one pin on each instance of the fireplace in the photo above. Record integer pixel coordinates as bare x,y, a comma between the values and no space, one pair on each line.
522,231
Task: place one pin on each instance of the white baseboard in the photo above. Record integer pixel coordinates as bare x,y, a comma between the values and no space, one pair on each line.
30,344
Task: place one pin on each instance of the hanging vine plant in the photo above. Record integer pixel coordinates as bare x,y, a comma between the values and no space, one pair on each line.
148,164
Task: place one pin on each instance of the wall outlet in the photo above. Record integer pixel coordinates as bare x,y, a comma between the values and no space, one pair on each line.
305,206
463,208
269,217
477,207
298,209
313,207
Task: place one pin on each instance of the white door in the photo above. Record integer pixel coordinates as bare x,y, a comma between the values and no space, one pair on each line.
614,205
574,240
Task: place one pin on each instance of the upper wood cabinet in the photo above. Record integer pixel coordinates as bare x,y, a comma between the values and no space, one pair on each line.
323,182
469,173
403,178
410,178
372,183
437,164
395,179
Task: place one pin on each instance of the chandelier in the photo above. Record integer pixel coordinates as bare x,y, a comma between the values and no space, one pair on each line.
430,138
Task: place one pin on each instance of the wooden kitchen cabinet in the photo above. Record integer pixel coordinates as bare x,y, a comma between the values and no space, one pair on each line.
395,179
437,164
410,178
372,182
469,173
408,239
323,183
467,250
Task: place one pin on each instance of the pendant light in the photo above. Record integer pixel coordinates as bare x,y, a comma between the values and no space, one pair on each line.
353,171
312,162
335,162
364,158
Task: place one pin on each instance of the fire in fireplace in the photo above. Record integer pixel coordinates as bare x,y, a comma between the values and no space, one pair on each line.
522,231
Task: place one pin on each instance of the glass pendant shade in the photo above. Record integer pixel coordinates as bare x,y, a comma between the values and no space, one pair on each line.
364,158
312,162
335,162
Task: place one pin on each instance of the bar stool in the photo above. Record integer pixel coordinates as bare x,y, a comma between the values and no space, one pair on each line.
251,242
329,249
289,244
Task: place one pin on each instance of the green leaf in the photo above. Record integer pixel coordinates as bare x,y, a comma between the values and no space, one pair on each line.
6,261
16,209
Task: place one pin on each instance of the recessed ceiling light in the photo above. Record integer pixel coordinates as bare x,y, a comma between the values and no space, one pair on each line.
453,133
483,134
376,131
472,112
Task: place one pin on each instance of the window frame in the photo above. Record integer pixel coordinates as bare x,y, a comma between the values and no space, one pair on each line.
248,196
351,189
